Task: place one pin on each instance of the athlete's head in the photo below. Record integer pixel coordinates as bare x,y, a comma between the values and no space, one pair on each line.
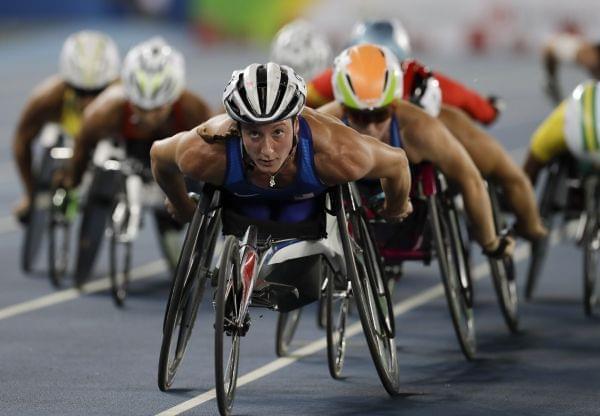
154,78
265,100
386,32
300,46
89,61
366,79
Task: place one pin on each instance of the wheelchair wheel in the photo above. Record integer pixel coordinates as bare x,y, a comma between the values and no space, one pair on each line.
554,182
503,271
453,269
337,301
227,325
120,252
287,323
591,247
58,239
187,289
371,299
39,213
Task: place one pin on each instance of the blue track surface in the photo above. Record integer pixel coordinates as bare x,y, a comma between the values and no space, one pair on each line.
81,355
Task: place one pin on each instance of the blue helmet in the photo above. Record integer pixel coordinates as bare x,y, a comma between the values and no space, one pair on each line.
389,33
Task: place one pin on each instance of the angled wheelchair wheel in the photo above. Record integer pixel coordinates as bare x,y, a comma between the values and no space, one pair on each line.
454,270
187,287
591,249
229,325
368,288
59,232
39,213
287,323
539,250
503,270
120,251
95,220
337,301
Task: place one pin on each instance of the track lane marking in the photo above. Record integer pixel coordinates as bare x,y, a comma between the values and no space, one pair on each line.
138,273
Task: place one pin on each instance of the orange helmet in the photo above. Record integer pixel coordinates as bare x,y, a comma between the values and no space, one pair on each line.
366,77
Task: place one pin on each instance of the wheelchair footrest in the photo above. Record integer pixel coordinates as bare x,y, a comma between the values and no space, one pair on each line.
272,295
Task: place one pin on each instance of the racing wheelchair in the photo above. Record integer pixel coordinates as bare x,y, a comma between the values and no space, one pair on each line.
571,191
259,267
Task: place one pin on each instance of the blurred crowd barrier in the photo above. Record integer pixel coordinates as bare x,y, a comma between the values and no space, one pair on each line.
436,25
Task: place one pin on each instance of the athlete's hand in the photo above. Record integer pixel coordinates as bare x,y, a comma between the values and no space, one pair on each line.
392,214
181,214
21,210
503,246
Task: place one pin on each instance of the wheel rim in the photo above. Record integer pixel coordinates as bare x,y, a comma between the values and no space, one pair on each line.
286,328
449,260
228,325
592,271
336,317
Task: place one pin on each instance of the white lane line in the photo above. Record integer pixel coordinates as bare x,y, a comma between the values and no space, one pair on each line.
400,308
138,273
8,224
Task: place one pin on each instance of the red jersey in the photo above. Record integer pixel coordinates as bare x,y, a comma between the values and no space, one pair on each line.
320,91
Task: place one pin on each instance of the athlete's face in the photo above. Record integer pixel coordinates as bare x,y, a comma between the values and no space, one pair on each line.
268,145
153,118
375,123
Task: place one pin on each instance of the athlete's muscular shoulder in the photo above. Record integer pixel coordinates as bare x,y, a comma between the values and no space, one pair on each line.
195,109
200,152
420,132
45,101
341,153
105,113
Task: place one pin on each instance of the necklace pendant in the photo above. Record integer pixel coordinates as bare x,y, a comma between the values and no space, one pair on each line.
272,182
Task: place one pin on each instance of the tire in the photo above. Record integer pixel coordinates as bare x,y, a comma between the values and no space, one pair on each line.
59,232
187,289
227,299
503,271
287,323
554,181
591,247
95,220
453,269
337,300
359,264
120,252
39,214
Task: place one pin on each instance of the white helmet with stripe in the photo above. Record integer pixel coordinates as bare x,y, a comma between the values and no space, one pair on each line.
89,60
300,46
582,122
153,74
264,93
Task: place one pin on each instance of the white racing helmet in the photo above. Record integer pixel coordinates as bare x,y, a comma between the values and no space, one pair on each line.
264,93
89,60
301,47
153,74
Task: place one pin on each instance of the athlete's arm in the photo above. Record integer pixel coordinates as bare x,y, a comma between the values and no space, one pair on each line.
547,142
343,155
44,105
198,154
102,118
426,138
196,110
